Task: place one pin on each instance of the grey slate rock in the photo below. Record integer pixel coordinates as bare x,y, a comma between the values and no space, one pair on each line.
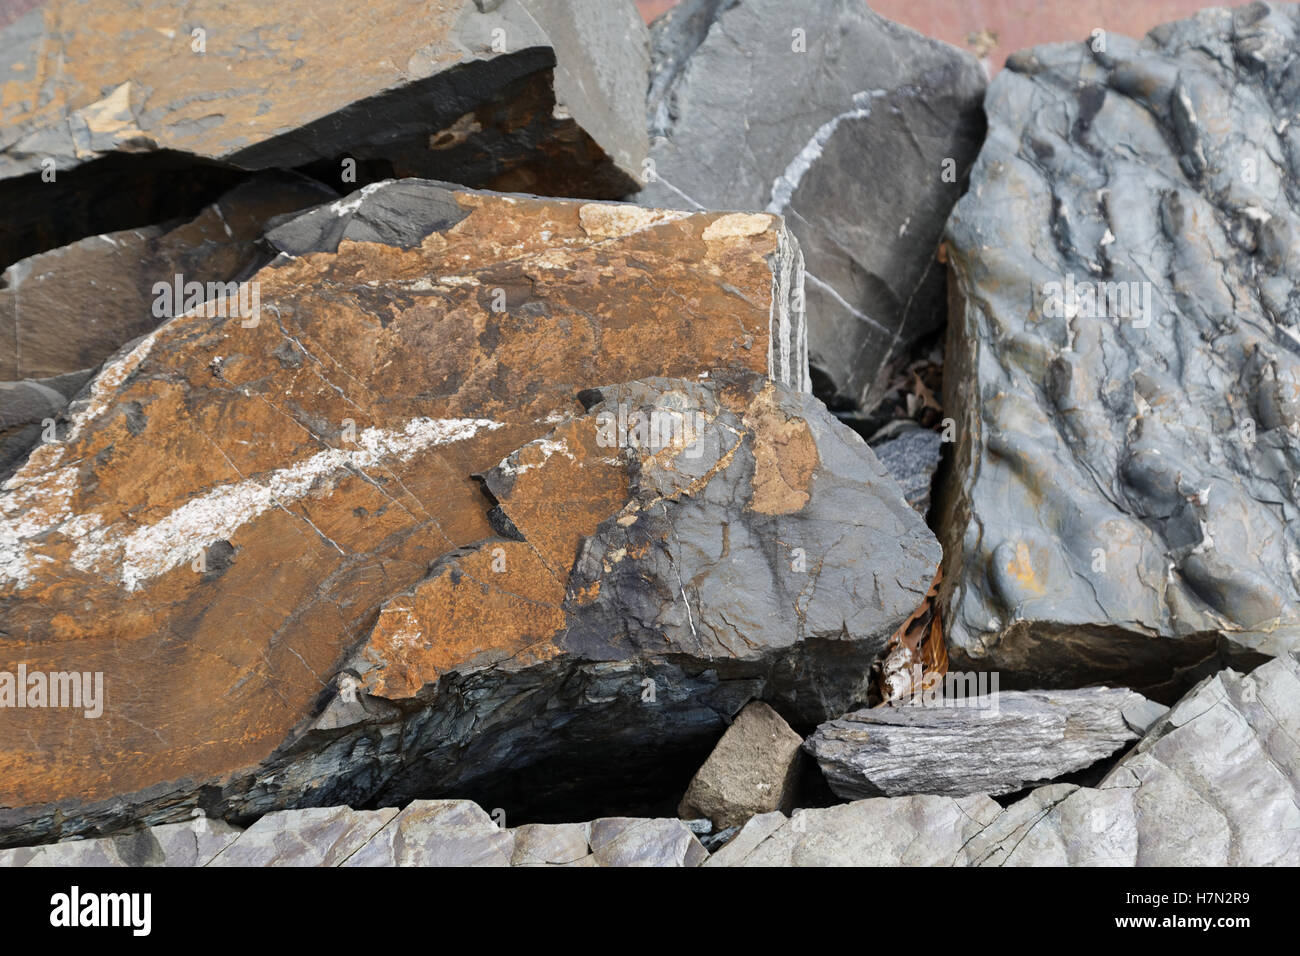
628,841
193,843
993,745
753,769
848,140
1152,423
912,457
1216,782
318,836
26,406
438,833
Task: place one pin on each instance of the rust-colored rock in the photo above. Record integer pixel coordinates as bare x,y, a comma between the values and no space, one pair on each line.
238,496
136,107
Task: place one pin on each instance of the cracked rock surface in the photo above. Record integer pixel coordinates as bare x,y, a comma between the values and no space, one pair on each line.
994,744
849,140
1124,356
355,546
507,94
1216,782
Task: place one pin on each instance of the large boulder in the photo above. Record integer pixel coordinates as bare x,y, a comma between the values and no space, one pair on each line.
123,113
1124,361
859,131
293,567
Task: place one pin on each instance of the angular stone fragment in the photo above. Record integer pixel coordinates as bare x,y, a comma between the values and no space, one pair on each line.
237,498
752,770
912,458
1124,353
129,103
859,131
194,843
1216,782
994,744
70,308
625,841
318,836
438,833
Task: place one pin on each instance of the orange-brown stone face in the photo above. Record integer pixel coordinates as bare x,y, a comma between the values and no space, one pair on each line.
242,494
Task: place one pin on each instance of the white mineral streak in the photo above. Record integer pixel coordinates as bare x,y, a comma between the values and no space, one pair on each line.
148,551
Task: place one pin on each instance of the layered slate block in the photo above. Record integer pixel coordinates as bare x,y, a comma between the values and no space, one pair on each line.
116,112
856,129
239,502
1124,361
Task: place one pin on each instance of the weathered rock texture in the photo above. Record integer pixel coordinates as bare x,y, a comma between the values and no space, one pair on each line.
426,833
301,594
1214,783
994,744
138,113
1123,502
30,410
850,140
753,769
68,309
912,457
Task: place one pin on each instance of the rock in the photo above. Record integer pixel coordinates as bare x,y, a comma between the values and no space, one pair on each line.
319,836
29,410
70,308
193,843
994,744
743,120
266,506
912,457
438,833
753,769
624,841
1124,358
1216,782
426,833
110,127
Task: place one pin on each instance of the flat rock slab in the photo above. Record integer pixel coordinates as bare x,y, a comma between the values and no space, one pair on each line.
292,565
1124,359
994,744
164,97
1216,782
859,131
753,769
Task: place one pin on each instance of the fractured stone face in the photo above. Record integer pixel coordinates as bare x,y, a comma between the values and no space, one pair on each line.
1124,356
1216,782
994,744
275,517
859,131
509,94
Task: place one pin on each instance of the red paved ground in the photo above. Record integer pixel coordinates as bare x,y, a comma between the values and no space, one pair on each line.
1016,23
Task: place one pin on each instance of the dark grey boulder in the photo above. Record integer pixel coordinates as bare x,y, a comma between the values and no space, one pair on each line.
1124,360
857,130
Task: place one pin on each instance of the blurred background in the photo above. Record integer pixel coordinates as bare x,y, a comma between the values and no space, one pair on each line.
992,29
